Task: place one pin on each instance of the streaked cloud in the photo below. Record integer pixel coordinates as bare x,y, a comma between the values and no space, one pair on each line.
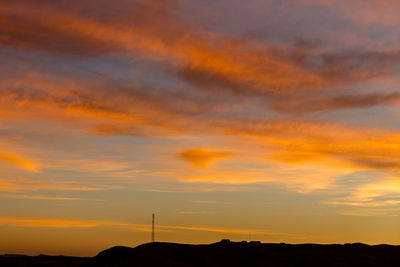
67,223
47,222
40,197
197,212
20,162
201,57
211,202
22,184
385,187
364,203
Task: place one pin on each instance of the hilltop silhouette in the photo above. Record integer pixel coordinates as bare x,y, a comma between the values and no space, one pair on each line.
224,253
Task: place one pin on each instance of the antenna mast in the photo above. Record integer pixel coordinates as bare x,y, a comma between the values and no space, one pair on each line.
153,237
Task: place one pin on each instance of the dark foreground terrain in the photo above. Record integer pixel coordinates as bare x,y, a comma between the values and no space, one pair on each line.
224,253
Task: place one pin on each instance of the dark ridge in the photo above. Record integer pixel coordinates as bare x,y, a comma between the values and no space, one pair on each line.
12,260
223,253
226,253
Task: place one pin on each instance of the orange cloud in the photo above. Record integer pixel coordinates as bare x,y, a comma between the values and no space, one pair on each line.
201,57
98,110
226,230
20,184
43,197
46,222
302,141
149,39
20,162
208,60
72,223
201,157
285,79
284,141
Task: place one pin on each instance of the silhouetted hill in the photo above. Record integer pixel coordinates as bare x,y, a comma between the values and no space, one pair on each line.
224,253
11,260
227,253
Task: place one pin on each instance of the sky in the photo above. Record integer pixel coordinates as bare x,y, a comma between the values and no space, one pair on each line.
263,120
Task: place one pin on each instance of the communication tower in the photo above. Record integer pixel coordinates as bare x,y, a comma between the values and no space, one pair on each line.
153,236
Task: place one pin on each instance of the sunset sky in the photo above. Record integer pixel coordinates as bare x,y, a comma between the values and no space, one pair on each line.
270,120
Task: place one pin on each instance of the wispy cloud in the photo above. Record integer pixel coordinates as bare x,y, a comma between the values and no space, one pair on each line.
22,184
197,212
40,197
206,59
68,223
48,223
211,202
20,162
